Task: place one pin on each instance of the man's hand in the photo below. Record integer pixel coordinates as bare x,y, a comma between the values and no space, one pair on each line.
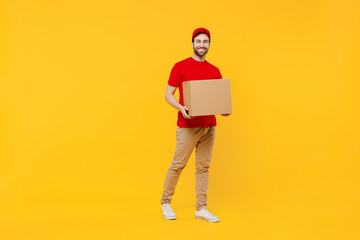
183,110
225,115
169,96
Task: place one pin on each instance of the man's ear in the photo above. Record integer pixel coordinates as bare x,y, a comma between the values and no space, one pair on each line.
192,44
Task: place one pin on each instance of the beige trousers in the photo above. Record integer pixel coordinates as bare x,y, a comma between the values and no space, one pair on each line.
186,140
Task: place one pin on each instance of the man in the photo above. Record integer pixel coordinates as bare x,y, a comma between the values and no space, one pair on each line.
192,132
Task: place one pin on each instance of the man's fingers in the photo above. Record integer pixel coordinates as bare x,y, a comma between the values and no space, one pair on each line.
185,115
184,112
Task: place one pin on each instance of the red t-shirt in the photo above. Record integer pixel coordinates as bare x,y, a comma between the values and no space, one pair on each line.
190,69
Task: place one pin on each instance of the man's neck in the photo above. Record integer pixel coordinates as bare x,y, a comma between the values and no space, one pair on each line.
199,59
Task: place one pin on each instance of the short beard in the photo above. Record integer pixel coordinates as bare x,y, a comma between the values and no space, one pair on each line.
200,54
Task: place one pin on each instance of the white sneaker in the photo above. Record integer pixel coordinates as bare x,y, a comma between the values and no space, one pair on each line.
168,213
206,215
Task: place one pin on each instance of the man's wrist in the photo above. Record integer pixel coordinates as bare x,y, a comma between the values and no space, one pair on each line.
180,107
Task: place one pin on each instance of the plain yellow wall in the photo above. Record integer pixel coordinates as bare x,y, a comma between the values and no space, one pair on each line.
86,133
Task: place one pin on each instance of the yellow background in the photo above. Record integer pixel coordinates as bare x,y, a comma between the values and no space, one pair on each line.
86,135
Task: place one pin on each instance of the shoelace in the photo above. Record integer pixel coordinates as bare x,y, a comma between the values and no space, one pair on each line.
206,212
168,210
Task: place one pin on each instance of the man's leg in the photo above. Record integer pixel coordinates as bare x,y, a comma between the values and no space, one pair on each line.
204,149
186,140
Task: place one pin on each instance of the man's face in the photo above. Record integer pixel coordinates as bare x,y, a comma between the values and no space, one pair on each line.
201,44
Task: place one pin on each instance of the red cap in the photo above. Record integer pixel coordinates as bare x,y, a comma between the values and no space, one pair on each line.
200,30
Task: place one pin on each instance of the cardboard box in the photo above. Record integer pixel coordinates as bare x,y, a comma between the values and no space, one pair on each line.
207,97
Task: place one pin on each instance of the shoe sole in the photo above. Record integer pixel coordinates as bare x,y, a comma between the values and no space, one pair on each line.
209,220
170,218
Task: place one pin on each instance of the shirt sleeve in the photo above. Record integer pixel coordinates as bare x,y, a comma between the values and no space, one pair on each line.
219,76
175,76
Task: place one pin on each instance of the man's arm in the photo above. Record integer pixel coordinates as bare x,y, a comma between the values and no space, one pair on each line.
170,98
